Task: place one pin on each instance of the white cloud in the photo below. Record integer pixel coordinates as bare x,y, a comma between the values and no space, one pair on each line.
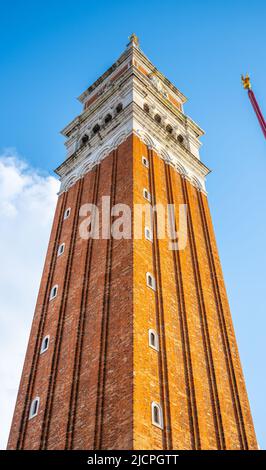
27,202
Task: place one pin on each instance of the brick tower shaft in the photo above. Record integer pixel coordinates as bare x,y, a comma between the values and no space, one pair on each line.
132,344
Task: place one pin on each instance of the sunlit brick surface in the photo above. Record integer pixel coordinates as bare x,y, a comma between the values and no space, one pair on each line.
99,376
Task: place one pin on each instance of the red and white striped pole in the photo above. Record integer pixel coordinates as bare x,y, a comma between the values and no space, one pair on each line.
247,86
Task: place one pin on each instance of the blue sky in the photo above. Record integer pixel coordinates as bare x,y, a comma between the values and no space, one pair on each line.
51,51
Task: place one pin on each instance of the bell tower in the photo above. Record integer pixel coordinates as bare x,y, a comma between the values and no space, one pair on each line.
132,344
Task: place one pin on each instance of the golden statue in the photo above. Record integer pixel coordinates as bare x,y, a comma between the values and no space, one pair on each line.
246,82
134,39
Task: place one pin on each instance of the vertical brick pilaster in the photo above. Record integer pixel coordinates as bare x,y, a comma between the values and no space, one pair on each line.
218,425
186,352
163,362
60,324
25,393
234,371
83,302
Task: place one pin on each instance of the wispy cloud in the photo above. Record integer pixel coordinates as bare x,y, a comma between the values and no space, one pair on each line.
27,202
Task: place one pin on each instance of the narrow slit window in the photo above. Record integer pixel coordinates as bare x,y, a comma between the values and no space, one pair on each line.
53,292
34,407
147,194
153,340
150,281
145,162
61,249
45,344
67,213
157,415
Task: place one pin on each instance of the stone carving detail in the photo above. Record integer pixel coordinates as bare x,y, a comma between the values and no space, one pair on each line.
158,84
104,88
98,155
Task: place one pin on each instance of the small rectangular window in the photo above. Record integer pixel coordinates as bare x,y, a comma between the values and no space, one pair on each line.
150,280
45,344
145,162
157,415
53,292
153,340
67,213
148,234
61,249
34,407
146,194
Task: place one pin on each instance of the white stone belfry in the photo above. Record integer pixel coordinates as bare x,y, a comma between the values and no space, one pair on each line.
132,97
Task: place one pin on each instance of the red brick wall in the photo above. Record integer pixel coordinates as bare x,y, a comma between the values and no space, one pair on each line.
90,327
99,376
20,418
197,378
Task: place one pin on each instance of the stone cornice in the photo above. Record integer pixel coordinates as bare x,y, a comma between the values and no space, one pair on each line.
132,120
139,55
89,91
132,52
95,158
95,143
148,124
84,116
167,142
135,82
148,87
